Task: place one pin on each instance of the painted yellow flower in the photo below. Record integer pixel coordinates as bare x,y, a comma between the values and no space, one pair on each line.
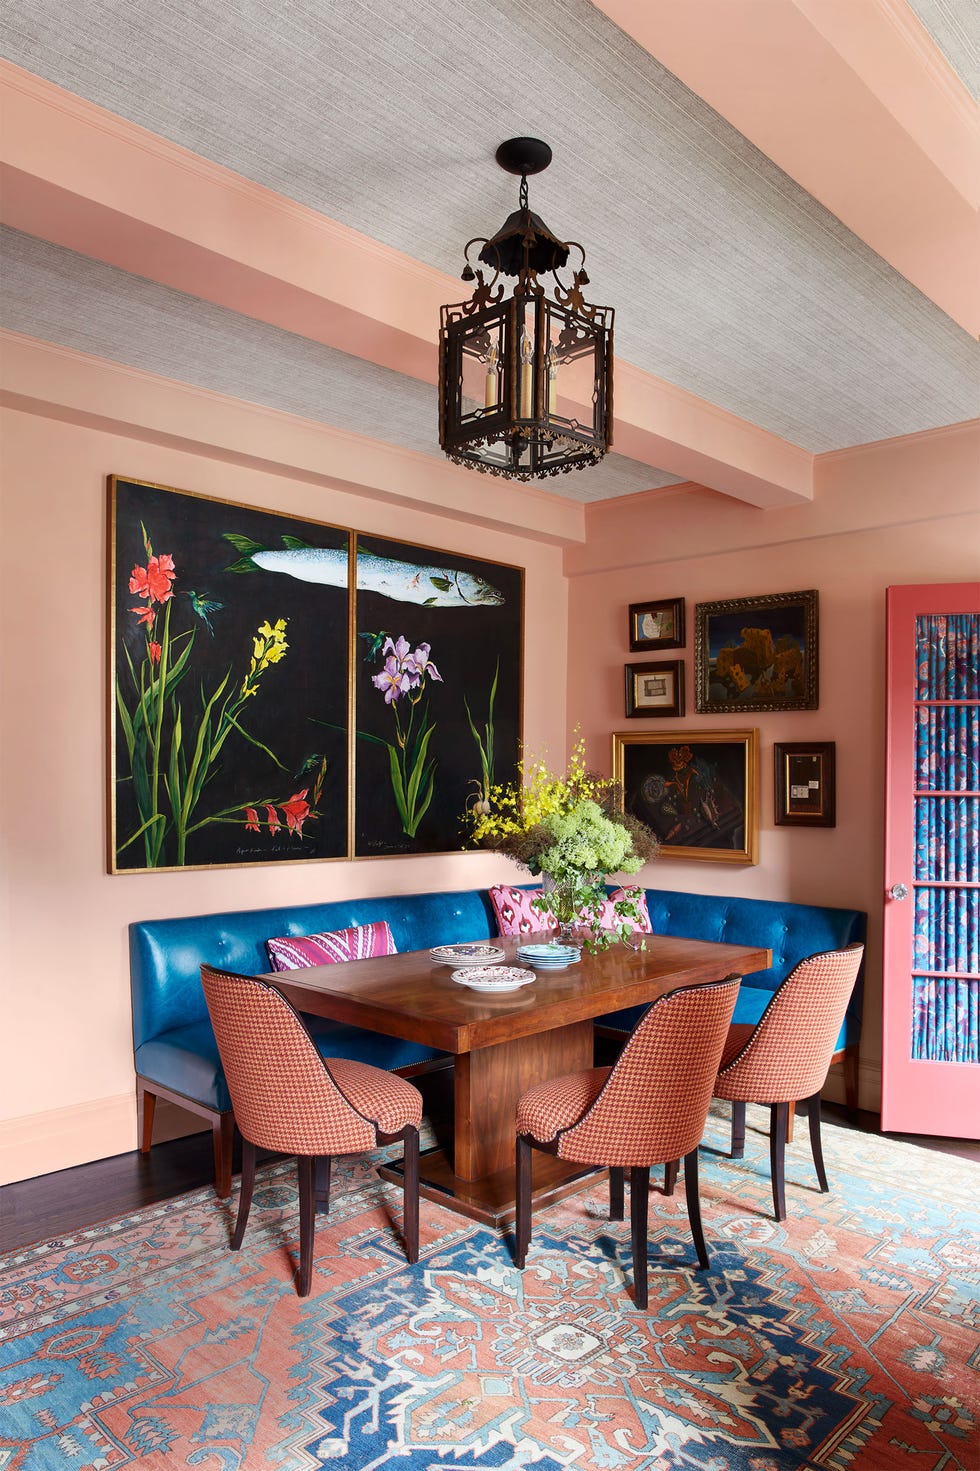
268,647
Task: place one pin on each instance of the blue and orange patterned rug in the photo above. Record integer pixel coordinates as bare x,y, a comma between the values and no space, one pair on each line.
848,1336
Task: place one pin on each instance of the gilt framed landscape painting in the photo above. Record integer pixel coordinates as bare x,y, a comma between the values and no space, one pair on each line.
754,654
285,690
697,789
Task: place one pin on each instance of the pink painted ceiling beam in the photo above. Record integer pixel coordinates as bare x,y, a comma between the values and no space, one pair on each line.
855,102
37,377
74,174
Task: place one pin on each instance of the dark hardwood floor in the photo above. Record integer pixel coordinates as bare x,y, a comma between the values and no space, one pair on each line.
53,1205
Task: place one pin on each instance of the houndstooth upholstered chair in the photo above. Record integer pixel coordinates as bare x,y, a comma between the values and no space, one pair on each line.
648,1108
287,1098
786,1057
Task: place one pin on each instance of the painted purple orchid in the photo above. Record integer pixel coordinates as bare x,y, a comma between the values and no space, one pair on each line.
402,680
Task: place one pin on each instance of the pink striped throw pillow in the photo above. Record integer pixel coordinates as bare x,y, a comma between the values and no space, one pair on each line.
361,942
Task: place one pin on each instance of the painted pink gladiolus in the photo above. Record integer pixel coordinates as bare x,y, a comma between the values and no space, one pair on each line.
296,811
272,818
251,820
155,651
145,615
153,581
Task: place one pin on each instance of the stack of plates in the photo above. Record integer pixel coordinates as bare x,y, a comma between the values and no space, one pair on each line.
460,955
548,957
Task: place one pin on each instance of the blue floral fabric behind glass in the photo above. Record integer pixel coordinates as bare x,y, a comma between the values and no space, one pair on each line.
946,982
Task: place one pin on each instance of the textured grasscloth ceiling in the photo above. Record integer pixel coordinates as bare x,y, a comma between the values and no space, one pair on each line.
955,27
61,297
728,279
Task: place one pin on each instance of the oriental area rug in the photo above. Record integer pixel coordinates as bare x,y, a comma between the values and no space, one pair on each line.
846,1337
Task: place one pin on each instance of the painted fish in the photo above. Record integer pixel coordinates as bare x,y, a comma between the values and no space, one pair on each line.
433,587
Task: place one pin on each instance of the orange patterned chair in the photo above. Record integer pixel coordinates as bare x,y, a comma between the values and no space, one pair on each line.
287,1098
786,1057
649,1108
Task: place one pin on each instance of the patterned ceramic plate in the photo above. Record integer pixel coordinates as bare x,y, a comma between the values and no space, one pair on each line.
494,978
466,954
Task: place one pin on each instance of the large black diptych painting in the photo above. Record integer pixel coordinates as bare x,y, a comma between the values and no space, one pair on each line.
437,690
237,654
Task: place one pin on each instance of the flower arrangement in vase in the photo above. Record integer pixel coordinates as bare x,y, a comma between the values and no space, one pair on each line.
571,830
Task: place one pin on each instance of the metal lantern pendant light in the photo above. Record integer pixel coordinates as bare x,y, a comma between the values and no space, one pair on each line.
525,384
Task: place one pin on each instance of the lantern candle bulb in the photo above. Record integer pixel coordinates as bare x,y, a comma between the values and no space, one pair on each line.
490,397
552,362
527,358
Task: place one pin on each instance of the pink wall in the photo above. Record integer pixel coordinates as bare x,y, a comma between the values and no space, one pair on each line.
66,1084
898,512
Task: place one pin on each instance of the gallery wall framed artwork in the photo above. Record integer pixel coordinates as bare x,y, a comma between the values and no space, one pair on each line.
805,783
697,789
655,689
285,690
754,654
656,625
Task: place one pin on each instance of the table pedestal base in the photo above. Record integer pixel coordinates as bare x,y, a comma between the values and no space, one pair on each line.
493,1200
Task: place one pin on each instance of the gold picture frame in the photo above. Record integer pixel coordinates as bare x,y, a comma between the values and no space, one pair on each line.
697,789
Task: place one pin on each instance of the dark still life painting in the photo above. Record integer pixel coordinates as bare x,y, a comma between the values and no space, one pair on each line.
697,790
229,683
437,676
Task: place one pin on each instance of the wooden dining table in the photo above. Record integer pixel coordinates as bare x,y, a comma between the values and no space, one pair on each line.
501,1044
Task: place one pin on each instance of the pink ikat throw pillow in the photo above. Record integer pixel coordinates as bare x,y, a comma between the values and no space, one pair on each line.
361,942
514,912
516,915
610,920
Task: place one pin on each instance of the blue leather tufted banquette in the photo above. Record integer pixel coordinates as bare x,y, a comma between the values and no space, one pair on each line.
790,931
176,1054
175,1051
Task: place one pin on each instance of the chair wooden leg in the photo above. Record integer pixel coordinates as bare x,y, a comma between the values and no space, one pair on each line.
523,1222
617,1197
790,1117
245,1194
223,1139
305,1168
816,1147
410,1193
693,1196
670,1176
639,1190
778,1117
321,1187
738,1130
146,1103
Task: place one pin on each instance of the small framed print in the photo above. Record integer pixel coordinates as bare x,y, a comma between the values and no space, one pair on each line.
658,625
655,689
805,784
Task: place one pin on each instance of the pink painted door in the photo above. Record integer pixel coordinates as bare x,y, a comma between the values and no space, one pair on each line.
930,1066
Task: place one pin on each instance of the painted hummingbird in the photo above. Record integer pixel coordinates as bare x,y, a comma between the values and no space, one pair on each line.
203,607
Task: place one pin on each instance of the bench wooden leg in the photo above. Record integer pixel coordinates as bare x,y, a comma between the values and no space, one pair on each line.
146,1103
223,1137
852,1058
